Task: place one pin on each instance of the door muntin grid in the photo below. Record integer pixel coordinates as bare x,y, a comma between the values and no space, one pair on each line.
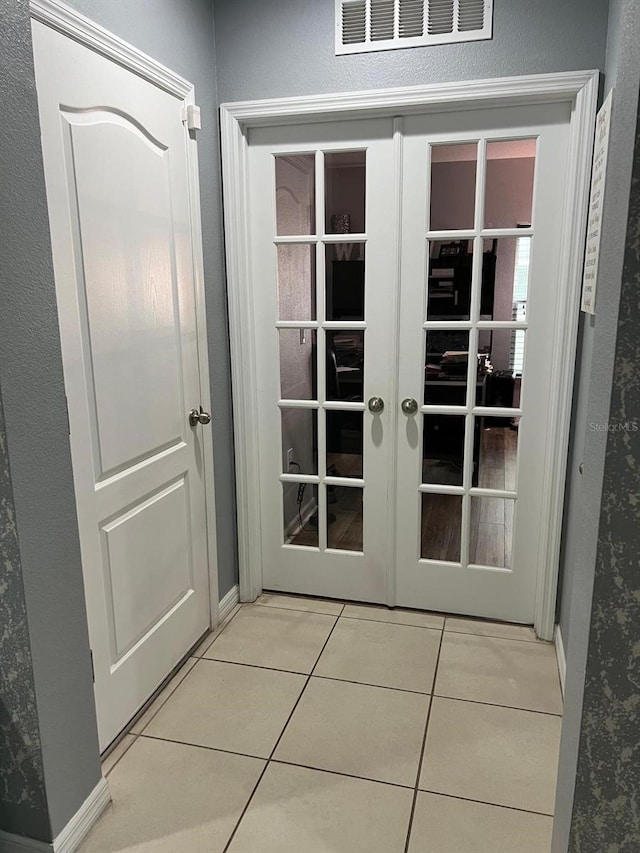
458,393
333,383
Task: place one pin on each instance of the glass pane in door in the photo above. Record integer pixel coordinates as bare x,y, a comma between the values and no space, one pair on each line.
344,518
443,449
497,453
297,364
345,277
449,280
509,184
446,359
453,186
345,365
345,192
295,194
491,533
344,443
505,278
299,441
296,281
441,522
300,508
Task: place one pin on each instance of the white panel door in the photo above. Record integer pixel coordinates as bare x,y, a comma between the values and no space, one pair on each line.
322,223
483,196
115,153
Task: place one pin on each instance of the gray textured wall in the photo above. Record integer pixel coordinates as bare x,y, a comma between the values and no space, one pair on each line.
37,436
286,47
592,403
22,796
180,35
606,813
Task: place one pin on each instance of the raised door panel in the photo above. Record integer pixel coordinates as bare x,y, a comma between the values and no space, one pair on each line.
128,286
147,559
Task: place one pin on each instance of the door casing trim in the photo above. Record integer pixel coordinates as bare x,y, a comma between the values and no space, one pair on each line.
72,24
580,89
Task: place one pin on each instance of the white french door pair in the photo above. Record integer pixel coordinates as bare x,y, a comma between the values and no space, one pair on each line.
405,276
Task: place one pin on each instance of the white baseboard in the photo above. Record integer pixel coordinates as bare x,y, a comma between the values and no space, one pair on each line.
230,600
83,820
560,655
72,835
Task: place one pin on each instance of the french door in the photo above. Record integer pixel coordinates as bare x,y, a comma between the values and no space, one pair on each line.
405,276
322,223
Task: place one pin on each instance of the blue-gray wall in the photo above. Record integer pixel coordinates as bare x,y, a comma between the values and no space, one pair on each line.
286,47
592,403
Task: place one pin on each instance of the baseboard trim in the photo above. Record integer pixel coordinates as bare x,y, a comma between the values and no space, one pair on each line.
72,835
230,600
83,820
560,655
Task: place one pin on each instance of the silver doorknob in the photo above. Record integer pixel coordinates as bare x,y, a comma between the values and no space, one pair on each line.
409,406
376,405
199,417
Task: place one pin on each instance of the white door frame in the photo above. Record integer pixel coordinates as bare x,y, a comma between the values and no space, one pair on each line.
580,89
70,23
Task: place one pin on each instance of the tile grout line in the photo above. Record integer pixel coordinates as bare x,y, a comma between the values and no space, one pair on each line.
223,627
337,773
284,728
542,643
119,759
423,748
485,803
497,705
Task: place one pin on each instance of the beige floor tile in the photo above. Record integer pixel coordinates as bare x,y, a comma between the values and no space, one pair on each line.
229,706
382,654
499,672
138,727
365,731
447,825
399,617
273,637
204,645
483,628
497,755
297,602
116,754
169,797
296,810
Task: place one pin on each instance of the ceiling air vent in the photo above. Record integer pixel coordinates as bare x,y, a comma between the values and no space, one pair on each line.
368,25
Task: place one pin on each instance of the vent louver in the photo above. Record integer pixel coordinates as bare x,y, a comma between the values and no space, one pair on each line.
354,22
370,25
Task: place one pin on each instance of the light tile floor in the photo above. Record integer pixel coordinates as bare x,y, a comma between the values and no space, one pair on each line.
308,726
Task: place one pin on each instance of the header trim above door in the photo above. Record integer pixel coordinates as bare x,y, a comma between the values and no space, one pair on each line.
66,20
578,88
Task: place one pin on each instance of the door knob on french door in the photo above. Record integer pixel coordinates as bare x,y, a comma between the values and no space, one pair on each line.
376,405
199,417
409,406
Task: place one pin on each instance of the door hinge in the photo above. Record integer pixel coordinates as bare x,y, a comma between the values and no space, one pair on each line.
191,117
93,671
66,407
